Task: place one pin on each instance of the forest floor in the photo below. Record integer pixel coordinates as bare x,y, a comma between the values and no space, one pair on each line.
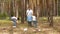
44,29
6,27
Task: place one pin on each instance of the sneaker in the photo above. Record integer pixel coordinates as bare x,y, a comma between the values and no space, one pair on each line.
39,30
25,29
14,26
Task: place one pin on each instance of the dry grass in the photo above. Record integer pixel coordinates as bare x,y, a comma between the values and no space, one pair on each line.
6,27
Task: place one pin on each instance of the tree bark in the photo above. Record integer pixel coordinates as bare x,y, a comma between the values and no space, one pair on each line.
50,12
22,13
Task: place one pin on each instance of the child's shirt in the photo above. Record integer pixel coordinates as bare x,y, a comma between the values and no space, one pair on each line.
13,18
34,18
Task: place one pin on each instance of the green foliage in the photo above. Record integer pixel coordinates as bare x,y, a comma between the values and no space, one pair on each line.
5,23
43,18
59,12
3,16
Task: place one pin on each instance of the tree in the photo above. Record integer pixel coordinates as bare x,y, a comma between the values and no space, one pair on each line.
50,11
22,11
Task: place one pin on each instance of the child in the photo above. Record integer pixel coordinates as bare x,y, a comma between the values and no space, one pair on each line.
34,21
14,19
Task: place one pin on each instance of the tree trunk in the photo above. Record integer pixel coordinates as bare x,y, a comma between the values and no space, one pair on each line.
57,7
50,12
22,9
54,8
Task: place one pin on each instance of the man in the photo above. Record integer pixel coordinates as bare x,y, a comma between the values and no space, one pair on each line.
29,14
14,19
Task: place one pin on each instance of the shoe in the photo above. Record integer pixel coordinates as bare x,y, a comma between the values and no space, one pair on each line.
14,26
25,29
39,30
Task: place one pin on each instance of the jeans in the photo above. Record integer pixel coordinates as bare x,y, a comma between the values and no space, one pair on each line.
29,23
35,24
14,23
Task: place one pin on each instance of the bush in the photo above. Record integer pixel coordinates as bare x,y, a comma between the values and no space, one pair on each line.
4,15
5,23
43,19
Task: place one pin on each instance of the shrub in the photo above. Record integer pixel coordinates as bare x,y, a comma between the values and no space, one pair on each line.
3,16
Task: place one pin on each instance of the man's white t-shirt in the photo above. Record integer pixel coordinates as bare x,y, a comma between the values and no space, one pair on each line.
34,18
29,12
